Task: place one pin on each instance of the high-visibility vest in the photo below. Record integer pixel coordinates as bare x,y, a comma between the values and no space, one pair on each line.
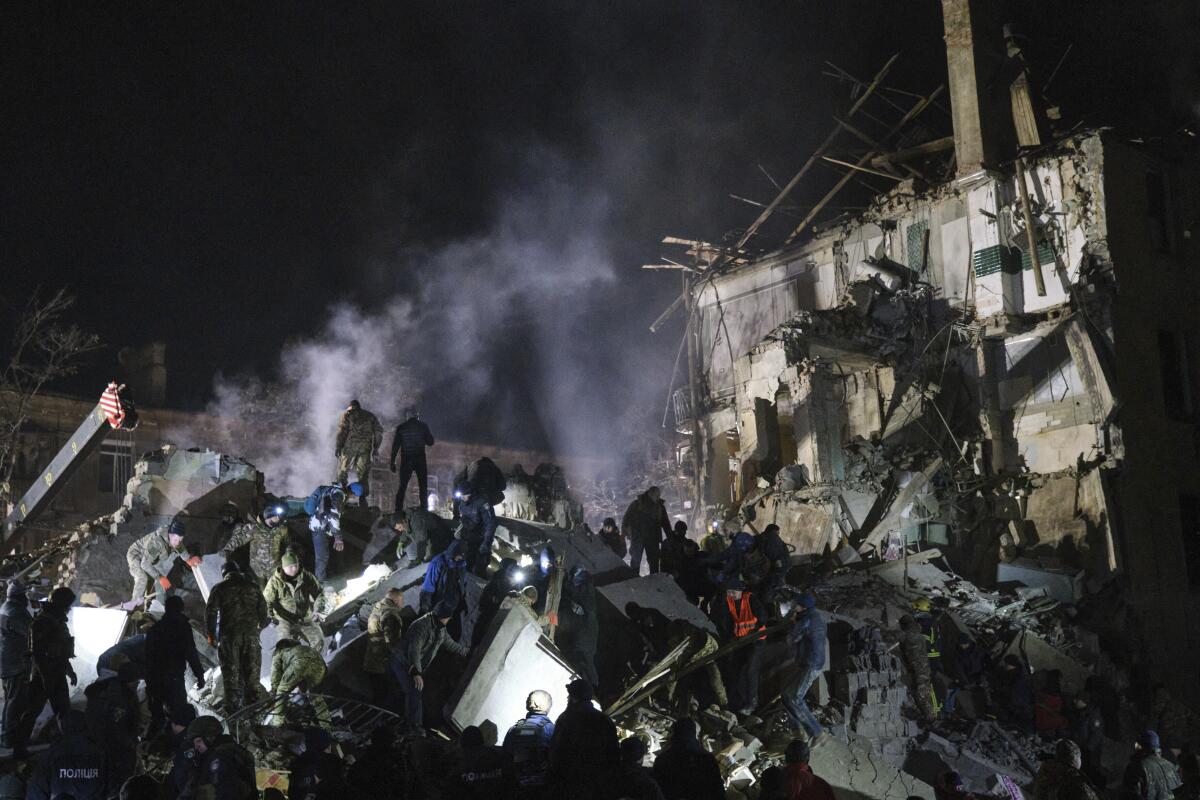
744,621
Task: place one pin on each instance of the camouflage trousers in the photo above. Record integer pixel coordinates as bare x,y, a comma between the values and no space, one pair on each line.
241,666
307,633
360,464
142,580
710,670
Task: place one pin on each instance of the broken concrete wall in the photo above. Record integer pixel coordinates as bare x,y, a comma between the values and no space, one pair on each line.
808,526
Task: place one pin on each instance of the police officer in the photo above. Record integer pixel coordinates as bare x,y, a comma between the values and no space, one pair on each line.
15,661
294,597
170,650
527,743
410,440
477,527
324,508
295,666
444,578
74,766
152,557
114,718
224,770
234,618
265,539
52,647
482,772
359,435
421,643
385,626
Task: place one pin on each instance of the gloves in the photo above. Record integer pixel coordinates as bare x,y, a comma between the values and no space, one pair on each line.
195,561
212,642
163,582
72,677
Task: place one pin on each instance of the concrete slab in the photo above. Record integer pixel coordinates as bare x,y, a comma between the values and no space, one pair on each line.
577,549
513,660
1043,656
1064,585
855,773
660,592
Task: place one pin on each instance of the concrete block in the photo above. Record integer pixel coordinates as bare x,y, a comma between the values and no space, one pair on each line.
660,592
1064,585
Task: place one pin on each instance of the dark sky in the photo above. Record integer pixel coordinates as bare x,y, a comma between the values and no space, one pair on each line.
219,178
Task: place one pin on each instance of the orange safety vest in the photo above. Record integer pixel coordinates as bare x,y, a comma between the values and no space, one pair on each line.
744,621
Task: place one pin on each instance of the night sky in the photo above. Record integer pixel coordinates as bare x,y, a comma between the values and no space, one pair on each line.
218,179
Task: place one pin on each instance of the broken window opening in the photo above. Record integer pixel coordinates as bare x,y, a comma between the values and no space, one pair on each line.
1173,366
116,466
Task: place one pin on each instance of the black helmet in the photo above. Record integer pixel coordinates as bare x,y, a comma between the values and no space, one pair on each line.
205,727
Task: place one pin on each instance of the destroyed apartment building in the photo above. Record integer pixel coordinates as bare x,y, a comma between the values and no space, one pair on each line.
1004,364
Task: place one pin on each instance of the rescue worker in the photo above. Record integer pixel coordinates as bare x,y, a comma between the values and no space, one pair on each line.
15,660
74,766
965,668
481,772
1087,729
685,770
778,559
632,780
294,598
181,748
730,563
359,435
580,630
915,651
114,719
153,556
477,528
809,642
378,770
324,508
644,524
610,534
738,617
584,747
693,575
662,636
296,666
385,627
170,649
1149,776
224,770
409,441
1061,778
51,648
799,780
302,780
264,539
671,554
422,533
508,578
131,650
1013,694
420,644
481,477
443,581
233,620
527,742
714,542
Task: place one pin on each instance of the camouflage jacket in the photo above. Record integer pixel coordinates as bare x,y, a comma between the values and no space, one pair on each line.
235,608
154,552
293,599
296,665
384,629
358,432
264,546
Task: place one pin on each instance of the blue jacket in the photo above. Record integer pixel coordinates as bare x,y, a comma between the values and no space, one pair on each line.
809,639
527,745
443,568
478,518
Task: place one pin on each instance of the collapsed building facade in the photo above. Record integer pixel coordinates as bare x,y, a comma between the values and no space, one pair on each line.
910,375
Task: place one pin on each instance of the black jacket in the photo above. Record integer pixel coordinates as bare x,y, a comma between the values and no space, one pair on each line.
74,765
410,439
15,621
583,748
170,647
684,771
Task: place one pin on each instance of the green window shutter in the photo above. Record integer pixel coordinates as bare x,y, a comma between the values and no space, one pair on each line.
997,258
914,244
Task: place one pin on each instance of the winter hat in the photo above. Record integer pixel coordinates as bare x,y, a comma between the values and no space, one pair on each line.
808,600
289,559
1068,753
1149,741
797,752
230,568
174,604
579,689
443,609
471,737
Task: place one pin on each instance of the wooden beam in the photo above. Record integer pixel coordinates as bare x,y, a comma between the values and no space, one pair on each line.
867,170
934,146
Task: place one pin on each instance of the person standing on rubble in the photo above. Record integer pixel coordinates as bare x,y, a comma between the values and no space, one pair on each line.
264,538
74,766
684,769
477,528
1061,777
170,650
580,632
740,617
527,743
324,508
966,666
420,644
233,620
420,532
51,649
914,648
223,769
809,641
670,558
385,626
15,658
612,537
584,747
1149,776
778,558
444,577
662,635
644,524
114,719
1087,729
1013,694
294,599
297,667
480,772
152,557
359,435
410,440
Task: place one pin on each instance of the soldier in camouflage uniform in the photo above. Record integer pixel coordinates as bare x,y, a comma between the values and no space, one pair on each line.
293,596
359,435
151,557
295,666
265,538
384,627
235,616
